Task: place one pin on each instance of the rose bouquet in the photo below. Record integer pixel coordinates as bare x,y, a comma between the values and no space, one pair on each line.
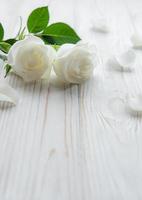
40,47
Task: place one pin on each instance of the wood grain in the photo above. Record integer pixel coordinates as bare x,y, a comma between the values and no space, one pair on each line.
77,142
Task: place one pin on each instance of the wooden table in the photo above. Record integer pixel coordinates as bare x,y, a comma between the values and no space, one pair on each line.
77,142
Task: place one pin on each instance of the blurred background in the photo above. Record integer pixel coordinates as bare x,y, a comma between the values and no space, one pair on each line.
78,13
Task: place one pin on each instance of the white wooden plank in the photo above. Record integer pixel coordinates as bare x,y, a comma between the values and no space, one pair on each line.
74,143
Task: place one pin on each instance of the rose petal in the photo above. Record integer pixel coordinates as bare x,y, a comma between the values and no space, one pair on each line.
100,25
34,39
136,40
52,56
134,104
124,61
7,93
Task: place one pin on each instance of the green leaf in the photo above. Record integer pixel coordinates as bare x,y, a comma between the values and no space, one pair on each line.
1,32
38,20
4,47
7,69
10,41
3,57
59,33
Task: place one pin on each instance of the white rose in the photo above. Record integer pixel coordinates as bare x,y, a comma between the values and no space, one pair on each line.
74,63
31,58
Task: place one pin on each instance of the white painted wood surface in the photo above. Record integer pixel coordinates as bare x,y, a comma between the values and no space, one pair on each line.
77,142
